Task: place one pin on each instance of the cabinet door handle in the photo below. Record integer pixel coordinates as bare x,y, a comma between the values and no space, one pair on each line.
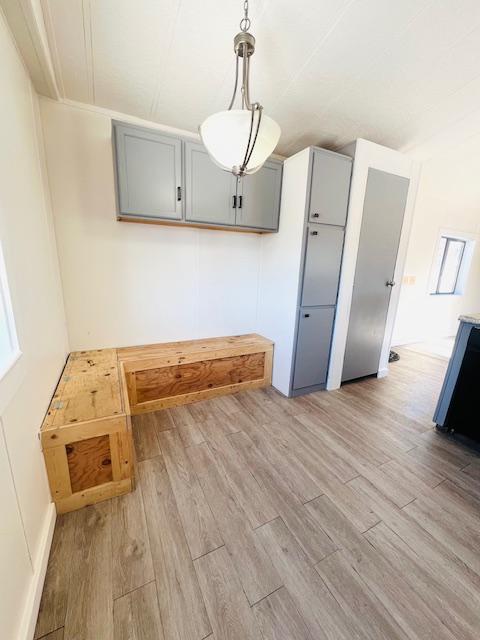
240,201
314,233
234,202
316,215
179,194
306,315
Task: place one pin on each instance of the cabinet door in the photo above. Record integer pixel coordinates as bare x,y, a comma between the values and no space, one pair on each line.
258,197
330,187
209,191
323,260
149,172
313,347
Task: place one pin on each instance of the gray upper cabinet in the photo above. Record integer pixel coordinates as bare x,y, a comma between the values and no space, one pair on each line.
330,186
149,172
258,197
209,191
164,178
323,259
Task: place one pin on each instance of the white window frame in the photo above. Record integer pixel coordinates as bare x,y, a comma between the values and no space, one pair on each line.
469,241
7,309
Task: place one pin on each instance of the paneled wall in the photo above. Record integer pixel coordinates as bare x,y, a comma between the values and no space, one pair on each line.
136,283
28,243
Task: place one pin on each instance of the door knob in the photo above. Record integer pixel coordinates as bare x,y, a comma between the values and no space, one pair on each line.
390,283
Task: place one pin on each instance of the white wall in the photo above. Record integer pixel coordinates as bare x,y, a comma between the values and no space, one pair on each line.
27,238
448,198
127,283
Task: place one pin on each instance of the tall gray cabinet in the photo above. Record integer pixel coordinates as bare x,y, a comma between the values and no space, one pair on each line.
301,268
324,231
166,179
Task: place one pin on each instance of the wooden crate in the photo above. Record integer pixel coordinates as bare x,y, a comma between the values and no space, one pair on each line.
166,375
86,435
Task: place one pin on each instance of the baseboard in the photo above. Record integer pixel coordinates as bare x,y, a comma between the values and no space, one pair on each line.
30,613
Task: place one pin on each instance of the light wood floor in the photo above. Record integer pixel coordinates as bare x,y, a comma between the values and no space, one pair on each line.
336,516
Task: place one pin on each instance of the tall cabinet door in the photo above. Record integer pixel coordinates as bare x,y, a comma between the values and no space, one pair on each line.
258,200
330,187
149,168
313,347
210,192
383,210
323,260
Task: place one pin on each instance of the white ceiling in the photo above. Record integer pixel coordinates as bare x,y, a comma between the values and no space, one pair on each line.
394,71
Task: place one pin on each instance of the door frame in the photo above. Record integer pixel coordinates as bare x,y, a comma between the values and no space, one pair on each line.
368,155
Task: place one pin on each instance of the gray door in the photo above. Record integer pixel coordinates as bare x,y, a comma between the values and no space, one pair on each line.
258,203
149,172
323,260
209,191
330,187
383,211
313,347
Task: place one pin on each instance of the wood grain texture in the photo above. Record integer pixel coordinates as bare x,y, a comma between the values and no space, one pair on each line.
322,614
227,606
136,615
90,601
53,605
369,617
154,384
145,431
199,525
55,635
255,570
279,619
182,609
89,463
131,556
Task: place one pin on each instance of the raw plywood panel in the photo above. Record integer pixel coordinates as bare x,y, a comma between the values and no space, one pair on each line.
198,376
89,462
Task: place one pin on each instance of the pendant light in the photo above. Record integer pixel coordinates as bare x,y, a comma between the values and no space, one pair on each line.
241,140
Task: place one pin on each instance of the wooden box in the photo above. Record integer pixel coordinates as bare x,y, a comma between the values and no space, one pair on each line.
86,434
165,375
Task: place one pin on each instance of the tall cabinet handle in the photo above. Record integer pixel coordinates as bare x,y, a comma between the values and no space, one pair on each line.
179,194
240,201
234,202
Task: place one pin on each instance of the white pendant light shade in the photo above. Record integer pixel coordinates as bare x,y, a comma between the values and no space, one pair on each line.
226,136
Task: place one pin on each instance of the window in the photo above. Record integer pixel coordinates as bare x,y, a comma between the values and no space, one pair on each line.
9,350
452,263
451,252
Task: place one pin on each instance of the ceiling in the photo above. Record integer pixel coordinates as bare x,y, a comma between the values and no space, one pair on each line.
394,71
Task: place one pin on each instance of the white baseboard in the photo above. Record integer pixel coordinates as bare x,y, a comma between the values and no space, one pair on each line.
30,613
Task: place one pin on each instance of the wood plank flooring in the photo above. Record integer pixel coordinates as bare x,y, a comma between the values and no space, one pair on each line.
334,516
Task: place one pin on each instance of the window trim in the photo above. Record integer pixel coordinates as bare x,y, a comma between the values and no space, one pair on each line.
448,240
6,307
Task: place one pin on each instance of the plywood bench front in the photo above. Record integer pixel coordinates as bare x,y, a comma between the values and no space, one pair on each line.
161,376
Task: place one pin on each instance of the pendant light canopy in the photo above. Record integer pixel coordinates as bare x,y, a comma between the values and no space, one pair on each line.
241,140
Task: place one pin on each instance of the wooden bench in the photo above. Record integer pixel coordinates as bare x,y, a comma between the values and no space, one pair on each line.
86,435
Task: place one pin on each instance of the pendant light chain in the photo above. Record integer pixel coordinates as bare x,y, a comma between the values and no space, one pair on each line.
245,21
